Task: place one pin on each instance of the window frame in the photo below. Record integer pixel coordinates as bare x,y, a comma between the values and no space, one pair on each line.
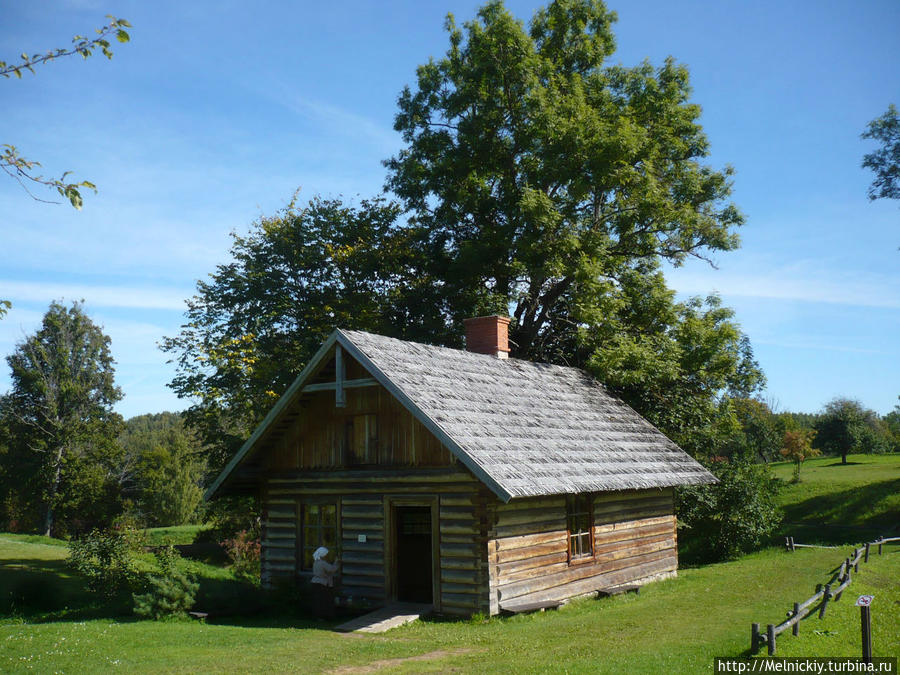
300,547
580,507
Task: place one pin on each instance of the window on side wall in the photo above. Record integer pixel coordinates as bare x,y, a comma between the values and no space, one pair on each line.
318,527
580,521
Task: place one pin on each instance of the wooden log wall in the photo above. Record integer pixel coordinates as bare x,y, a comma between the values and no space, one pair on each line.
634,540
365,499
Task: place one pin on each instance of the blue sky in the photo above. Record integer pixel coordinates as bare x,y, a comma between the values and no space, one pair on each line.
216,113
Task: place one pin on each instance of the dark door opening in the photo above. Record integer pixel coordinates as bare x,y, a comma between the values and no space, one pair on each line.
413,546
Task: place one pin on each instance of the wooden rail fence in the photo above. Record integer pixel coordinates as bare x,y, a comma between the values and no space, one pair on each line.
830,592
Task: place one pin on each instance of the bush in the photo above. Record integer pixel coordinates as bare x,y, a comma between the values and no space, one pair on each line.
227,516
243,552
171,593
104,559
737,515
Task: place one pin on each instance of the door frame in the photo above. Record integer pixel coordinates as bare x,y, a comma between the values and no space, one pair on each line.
390,558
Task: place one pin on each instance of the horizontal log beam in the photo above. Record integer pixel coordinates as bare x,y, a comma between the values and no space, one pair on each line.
348,384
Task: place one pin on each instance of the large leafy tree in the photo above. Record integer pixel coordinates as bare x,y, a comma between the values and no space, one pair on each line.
162,468
548,182
62,428
295,276
537,180
846,426
884,161
545,178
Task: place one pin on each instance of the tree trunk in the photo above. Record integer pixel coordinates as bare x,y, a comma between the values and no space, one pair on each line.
844,457
54,489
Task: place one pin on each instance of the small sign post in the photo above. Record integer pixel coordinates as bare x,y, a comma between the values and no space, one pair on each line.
865,622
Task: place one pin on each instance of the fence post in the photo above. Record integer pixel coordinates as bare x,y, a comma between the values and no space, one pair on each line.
825,599
867,553
840,591
792,545
865,618
770,638
880,540
796,627
787,544
754,637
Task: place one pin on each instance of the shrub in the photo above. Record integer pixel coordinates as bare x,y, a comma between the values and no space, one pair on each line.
243,552
171,593
104,559
737,515
227,516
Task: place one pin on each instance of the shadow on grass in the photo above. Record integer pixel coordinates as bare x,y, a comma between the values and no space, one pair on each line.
842,464
824,519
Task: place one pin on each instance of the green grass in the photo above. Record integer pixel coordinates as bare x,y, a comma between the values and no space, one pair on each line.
841,504
675,626
174,534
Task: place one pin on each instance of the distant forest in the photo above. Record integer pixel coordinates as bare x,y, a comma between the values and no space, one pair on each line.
156,472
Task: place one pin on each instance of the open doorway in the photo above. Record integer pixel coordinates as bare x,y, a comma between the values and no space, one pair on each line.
413,546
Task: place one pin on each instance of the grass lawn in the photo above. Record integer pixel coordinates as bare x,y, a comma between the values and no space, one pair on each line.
675,626
839,504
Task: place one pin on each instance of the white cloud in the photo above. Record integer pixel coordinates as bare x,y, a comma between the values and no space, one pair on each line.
95,295
806,281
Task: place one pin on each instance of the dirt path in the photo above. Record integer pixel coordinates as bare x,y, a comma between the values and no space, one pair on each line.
375,666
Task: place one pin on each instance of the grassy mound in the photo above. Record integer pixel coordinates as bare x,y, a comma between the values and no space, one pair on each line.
842,504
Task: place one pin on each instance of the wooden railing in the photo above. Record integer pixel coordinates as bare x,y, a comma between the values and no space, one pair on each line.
824,594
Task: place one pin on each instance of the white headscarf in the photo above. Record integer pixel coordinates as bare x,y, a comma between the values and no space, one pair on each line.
320,553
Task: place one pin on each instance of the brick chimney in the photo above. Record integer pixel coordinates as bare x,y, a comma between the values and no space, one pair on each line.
488,335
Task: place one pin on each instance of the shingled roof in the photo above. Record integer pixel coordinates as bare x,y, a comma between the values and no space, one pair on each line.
524,428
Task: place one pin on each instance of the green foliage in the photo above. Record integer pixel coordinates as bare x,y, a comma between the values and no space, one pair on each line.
759,434
162,468
61,455
170,593
798,448
734,516
105,559
540,180
226,516
672,361
885,161
259,318
543,178
847,426
5,306
14,164
243,552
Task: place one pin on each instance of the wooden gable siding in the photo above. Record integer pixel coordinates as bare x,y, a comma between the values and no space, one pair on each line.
317,439
364,499
634,540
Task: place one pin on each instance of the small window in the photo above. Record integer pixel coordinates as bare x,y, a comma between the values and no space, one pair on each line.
318,527
579,520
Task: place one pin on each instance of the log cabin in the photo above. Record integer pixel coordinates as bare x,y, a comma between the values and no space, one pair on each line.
461,479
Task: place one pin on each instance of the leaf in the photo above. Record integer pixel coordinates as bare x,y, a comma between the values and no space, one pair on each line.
122,36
